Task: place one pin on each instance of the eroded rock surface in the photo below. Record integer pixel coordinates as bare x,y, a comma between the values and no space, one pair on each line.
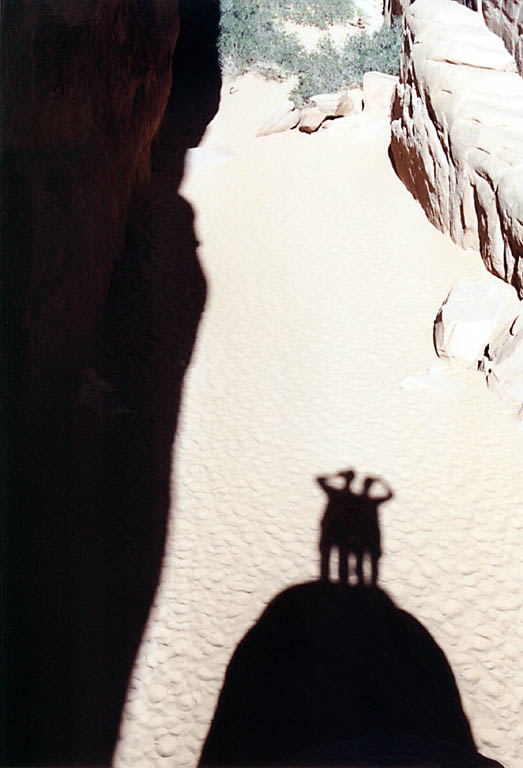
505,18
503,363
394,8
457,132
473,313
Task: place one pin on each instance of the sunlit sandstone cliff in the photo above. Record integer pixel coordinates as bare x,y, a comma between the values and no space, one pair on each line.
457,127
504,17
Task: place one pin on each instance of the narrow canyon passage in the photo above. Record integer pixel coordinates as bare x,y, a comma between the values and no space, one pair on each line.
324,278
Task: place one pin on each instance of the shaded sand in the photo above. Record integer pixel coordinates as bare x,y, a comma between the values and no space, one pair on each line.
324,280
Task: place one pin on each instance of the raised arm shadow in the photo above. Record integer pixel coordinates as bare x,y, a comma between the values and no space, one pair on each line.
350,525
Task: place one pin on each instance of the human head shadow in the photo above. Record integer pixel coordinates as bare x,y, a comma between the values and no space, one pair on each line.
338,675
91,473
334,674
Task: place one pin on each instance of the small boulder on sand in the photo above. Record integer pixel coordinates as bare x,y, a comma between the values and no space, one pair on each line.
311,119
284,118
473,313
333,104
378,90
321,107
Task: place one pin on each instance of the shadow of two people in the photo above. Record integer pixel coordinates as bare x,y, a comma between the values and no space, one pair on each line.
351,525
333,674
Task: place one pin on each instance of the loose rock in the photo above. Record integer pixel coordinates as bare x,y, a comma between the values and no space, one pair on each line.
503,363
284,118
473,313
378,90
333,104
311,119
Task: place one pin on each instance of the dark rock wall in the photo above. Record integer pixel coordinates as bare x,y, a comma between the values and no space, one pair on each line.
85,86
104,295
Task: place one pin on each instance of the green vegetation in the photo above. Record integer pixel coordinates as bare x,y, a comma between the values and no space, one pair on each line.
320,13
252,37
330,69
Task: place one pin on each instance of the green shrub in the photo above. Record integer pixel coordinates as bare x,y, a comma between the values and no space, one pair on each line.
252,38
320,13
379,52
331,69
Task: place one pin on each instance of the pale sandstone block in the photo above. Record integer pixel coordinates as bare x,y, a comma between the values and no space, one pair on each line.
311,119
284,118
473,313
333,104
378,90
503,364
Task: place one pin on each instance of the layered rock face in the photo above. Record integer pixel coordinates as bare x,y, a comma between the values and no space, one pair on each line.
457,132
85,86
394,8
505,18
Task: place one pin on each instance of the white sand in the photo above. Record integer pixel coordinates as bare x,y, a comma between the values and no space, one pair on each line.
324,281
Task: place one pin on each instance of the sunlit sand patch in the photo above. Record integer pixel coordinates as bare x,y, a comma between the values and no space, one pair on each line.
324,281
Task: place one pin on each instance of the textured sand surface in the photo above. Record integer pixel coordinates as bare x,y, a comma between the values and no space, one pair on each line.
324,280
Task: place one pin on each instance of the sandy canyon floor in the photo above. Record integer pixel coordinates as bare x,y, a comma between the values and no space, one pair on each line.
324,281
